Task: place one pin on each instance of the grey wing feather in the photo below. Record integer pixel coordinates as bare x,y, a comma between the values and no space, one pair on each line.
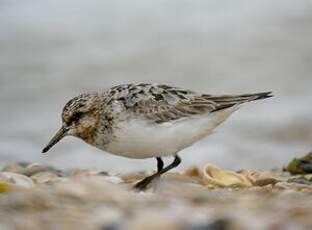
162,103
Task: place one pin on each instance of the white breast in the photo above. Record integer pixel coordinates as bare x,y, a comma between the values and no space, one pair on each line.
143,139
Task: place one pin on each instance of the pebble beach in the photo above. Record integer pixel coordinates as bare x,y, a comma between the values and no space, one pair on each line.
35,196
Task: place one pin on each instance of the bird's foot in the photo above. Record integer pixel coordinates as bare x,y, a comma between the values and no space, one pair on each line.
142,185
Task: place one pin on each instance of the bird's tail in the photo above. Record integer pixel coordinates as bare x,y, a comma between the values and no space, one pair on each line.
255,96
227,101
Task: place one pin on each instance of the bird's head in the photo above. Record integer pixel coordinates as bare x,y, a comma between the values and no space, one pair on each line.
80,117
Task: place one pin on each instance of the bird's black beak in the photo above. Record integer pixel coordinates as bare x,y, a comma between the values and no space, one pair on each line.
57,137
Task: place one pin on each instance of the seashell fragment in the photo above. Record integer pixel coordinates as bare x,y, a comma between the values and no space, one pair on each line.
224,178
14,168
46,177
10,181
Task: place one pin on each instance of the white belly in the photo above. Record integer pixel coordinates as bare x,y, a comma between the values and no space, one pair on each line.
143,139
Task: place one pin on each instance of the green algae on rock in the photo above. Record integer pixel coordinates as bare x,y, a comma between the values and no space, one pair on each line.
301,165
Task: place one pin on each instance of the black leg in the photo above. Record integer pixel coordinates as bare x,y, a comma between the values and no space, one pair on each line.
147,180
175,163
160,164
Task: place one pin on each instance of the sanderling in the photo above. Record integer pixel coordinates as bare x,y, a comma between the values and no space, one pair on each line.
147,120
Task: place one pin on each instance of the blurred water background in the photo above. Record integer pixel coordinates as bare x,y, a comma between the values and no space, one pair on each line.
53,50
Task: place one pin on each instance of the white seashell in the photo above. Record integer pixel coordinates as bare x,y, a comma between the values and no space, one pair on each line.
16,179
114,179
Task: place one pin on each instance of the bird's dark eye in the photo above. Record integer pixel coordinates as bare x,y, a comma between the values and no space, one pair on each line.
74,118
77,116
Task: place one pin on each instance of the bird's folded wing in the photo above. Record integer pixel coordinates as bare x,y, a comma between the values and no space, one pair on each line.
162,103
169,106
